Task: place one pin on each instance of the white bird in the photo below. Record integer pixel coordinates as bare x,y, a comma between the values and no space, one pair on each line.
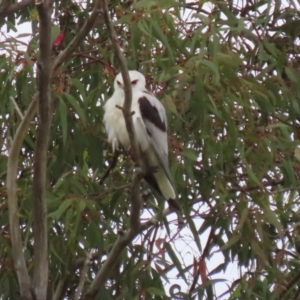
150,130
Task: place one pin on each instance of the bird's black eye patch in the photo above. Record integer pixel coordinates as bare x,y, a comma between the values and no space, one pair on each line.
118,82
134,81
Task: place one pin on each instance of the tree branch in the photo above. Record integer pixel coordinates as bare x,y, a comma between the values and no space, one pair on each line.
7,8
127,113
99,197
40,158
111,166
127,84
136,204
77,40
83,273
126,238
289,285
63,283
123,240
40,228
45,73
17,108
112,260
14,221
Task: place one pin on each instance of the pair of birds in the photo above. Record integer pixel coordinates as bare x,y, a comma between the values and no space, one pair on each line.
150,130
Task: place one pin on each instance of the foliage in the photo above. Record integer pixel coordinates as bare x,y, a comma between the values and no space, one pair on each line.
228,75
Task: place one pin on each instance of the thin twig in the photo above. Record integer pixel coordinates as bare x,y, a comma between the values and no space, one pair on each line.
110,167
123,240
126,109
135,197
136,203
108,266
77,40
14,221
62,286
289,285
204,255
40,230
12,166
151,245
246,189
99,197
115,254
7,8
126,238
17,108
83,274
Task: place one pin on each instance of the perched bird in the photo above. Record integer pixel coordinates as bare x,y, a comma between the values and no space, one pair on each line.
150,130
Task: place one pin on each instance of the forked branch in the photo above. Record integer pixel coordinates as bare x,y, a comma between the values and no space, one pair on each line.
14,221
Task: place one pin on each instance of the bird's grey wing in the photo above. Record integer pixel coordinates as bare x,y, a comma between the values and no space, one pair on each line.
154,118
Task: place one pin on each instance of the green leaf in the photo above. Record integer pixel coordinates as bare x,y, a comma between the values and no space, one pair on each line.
297,153
155,291
233,240
258,251
157,30
75,82
175,260
252,175
64,119
76,106
220,268
272,218
53,250
291,75
243,219
194,231
60,211
212,67
190,154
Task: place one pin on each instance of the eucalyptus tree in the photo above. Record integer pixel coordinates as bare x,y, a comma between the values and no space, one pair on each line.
77,220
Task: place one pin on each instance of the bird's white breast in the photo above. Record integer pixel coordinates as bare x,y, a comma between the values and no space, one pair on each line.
114,119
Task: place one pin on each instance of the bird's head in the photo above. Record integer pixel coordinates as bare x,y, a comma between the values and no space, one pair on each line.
137,79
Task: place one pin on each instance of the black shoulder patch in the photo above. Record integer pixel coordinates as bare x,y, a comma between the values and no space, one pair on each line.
150,113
